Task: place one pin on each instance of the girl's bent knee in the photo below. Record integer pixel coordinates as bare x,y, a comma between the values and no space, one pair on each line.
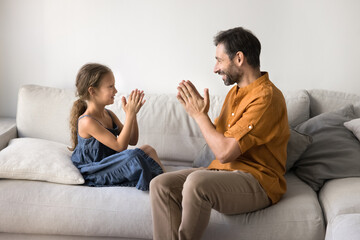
147,149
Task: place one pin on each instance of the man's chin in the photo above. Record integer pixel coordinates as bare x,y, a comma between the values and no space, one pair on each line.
227,82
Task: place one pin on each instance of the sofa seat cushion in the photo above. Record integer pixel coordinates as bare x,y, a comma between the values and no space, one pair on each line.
298,214
36,207
346,226
340,196
19,236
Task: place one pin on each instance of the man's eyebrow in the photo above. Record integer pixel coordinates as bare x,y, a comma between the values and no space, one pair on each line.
217,58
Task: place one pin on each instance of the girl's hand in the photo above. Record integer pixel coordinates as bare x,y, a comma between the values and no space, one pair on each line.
134,103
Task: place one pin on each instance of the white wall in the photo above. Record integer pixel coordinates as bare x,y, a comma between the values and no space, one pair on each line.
154,44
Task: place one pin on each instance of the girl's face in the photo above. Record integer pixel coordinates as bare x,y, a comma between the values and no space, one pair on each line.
105,93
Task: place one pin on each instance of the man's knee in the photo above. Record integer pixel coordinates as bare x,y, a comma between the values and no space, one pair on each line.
157,182
197,183
161,183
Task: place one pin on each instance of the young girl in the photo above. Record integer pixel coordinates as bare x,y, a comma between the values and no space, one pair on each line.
100,140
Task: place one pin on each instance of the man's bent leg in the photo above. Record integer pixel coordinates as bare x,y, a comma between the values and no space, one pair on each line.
166,197
227,192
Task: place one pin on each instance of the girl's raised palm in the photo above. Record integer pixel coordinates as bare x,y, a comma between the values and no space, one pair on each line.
134,103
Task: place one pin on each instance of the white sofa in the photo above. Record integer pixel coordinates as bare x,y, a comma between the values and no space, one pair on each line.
33,209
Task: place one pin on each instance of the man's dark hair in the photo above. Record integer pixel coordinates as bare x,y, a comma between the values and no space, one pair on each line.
240,39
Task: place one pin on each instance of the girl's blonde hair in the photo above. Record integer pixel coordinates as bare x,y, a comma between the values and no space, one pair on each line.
88,76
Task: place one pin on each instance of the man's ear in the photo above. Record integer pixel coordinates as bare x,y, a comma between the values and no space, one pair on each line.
239,58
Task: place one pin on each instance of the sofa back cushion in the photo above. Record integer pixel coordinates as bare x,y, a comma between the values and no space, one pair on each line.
326,101
298,106
164,124
43,112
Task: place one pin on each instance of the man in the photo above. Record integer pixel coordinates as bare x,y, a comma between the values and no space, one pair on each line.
248,139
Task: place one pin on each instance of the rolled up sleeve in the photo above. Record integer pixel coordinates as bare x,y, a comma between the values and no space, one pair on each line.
256,125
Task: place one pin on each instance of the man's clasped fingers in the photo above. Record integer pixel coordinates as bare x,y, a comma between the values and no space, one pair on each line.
191,88
182,93
187,90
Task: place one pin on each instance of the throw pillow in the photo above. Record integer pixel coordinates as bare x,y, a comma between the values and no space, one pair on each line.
204,158
38,159
297,144
334,152
354,127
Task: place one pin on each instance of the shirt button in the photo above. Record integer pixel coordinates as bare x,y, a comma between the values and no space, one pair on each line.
232,114
229,125
250,127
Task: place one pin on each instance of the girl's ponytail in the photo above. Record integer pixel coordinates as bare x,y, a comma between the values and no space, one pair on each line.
79,107
89,75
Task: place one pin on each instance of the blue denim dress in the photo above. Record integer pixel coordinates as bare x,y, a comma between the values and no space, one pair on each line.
102,166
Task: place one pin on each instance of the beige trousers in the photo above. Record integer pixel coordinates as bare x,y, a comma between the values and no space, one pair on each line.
181,201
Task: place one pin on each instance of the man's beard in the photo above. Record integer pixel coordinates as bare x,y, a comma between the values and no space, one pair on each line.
229,80
231,77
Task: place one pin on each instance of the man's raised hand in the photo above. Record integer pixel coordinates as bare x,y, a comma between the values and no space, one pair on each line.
192,101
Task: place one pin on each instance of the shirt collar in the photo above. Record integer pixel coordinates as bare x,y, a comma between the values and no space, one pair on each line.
263,78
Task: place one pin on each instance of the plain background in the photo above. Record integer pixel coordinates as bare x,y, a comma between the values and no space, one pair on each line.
154,44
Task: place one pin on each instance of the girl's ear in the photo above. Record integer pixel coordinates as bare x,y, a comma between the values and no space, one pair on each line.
91,91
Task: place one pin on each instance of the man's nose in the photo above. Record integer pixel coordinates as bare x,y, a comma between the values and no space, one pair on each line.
216,68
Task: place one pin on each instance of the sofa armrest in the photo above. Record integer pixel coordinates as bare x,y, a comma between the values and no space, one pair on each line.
7,131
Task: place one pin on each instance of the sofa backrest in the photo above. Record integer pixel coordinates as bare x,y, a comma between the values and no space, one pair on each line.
164,124
298,106
43,112
326,101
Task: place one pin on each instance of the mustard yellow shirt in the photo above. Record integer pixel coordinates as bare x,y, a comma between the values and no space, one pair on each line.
256,117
